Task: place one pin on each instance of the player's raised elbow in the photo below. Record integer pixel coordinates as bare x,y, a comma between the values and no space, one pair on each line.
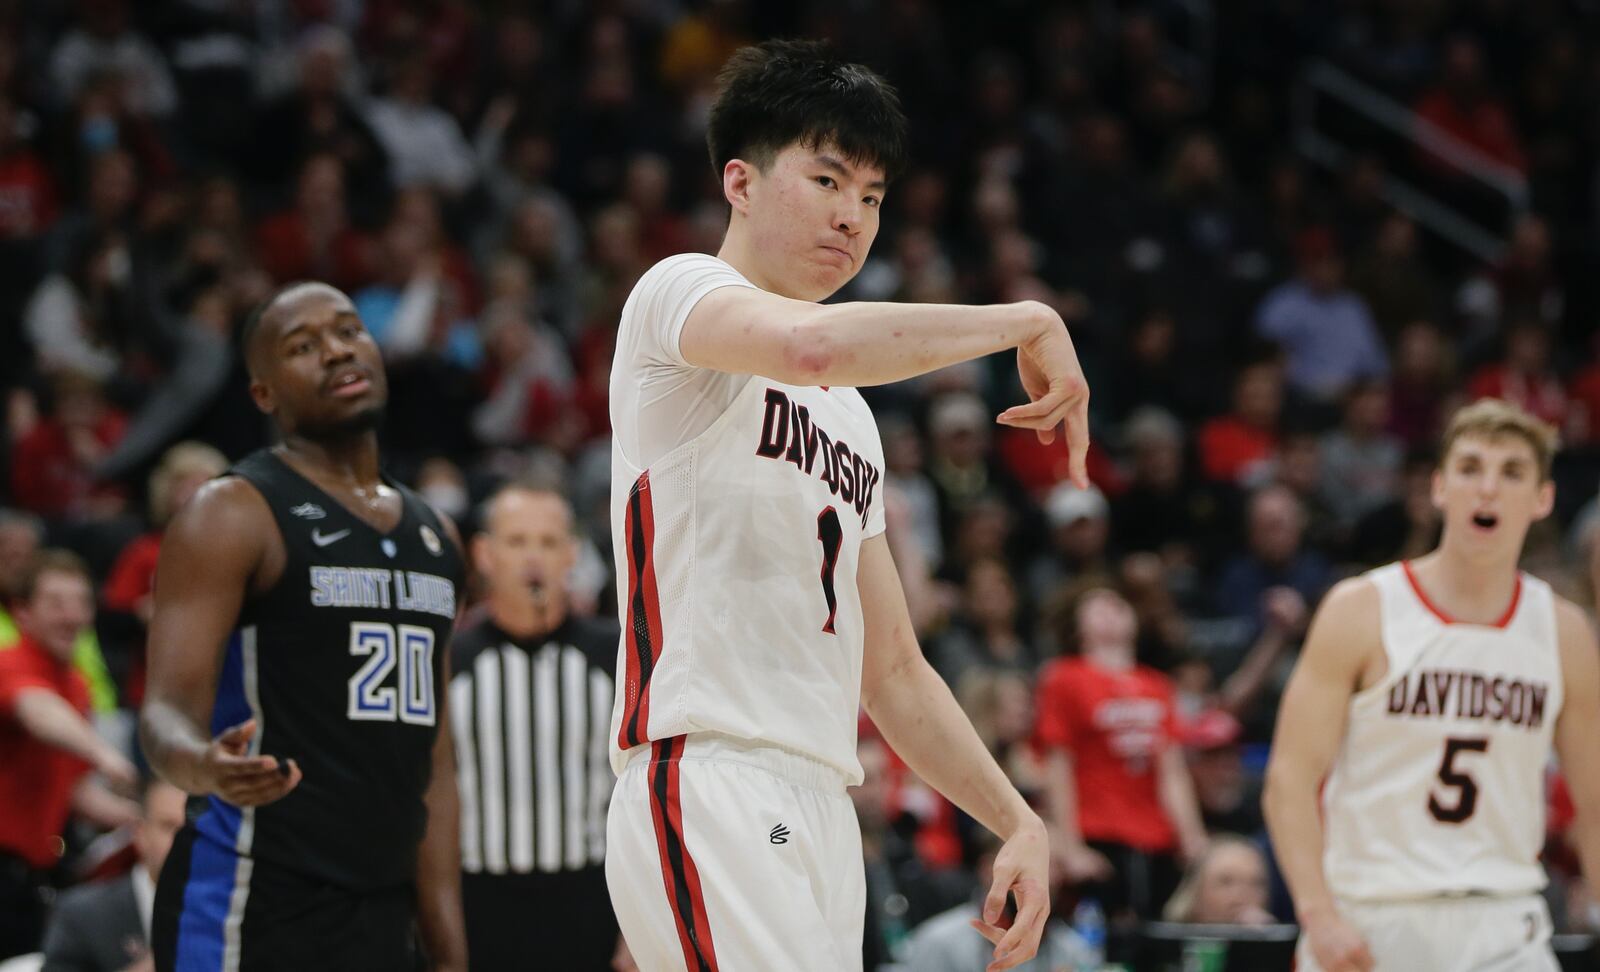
809,354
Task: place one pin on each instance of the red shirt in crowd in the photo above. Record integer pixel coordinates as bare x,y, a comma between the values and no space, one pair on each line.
37,783
27,197
47,476
1540,395
1230,448
132,579
1115,725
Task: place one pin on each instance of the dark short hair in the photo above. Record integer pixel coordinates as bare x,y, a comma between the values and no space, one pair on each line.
52,560
786,92
257,315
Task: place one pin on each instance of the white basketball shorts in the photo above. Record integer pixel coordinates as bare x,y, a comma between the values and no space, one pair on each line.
1466,934
723,856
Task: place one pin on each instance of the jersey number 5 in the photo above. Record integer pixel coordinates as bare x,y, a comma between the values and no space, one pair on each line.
1467,796
387,647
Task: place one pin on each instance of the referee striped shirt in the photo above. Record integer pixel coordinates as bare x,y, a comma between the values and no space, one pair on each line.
531,721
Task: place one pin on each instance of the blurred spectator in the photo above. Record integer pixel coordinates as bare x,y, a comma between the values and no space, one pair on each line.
104,43
1080,529
105,926
47,745
1000,704
129,588
1464,105
105,209
647,188
1360,459
1405,526
1229,796
1226,886
83,318
425,145
1153,371
1120,794
1525,375
960,465
21,537
903,455
1583,419
417,308
901,890
1300,467
947,943
1162,510
538,233
1420,388
1235,448
1275,556
1526,280
313,239
984,634
1392,278
52,466
321,116
27,190
1326,330
528,380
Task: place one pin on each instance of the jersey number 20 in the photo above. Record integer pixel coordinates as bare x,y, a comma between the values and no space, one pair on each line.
1452,776
408,648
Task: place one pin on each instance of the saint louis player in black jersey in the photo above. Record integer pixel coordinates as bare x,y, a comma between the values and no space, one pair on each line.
298,654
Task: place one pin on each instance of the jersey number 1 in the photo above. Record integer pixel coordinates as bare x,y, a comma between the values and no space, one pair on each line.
1467,787
830,532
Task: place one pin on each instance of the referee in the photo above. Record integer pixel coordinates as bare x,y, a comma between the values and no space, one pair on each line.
530,702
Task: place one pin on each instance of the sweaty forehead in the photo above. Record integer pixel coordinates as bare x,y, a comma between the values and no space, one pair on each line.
304,305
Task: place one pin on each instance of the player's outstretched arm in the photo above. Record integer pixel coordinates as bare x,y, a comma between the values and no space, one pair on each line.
211,554
921,721
1577,735
1311,724
749,331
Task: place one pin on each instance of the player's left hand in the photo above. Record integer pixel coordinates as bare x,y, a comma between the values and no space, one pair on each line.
1021,869
1058,394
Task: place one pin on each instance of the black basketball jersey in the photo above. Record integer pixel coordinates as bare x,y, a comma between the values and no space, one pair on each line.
342,664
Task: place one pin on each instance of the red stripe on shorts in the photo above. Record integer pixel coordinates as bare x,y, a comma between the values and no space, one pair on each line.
678,873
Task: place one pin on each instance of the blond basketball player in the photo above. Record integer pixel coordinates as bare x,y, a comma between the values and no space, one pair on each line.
1428,696
760,605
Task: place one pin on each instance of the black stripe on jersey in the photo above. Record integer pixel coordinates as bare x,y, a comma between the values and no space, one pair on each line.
643,649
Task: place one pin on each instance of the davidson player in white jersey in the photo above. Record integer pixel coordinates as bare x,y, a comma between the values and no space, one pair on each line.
1433,691
760,605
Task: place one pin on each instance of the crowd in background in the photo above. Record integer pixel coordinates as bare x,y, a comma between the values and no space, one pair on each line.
1271,344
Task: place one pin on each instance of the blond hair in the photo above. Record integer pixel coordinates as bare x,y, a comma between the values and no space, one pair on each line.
1494,418
183,459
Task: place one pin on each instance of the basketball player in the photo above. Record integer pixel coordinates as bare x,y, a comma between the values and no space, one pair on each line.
1428,695
760,603
302,609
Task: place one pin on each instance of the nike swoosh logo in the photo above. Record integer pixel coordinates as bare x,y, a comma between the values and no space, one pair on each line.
323,539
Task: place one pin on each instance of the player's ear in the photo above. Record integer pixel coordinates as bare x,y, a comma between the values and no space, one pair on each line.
1546,501
262,395
737,176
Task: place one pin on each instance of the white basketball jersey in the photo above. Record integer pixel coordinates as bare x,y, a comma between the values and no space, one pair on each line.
1439,786
736,548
